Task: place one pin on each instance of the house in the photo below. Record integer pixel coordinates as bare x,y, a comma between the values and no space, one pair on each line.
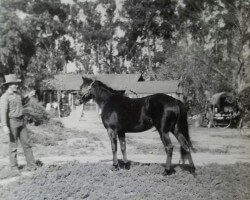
68,85
64,87
72,82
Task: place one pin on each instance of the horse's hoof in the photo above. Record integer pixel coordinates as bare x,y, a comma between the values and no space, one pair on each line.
127,165
115,168
168,172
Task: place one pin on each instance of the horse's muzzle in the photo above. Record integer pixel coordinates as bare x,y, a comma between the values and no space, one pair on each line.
84,98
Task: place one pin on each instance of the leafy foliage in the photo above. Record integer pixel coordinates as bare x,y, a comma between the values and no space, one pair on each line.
244,103
28,44
203,43
35,113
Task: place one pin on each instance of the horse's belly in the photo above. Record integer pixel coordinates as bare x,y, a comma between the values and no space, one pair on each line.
143,126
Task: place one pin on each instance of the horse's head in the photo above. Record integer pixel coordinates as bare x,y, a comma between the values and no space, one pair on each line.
95,89
86,92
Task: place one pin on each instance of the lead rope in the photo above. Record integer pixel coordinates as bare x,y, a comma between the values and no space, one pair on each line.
82,114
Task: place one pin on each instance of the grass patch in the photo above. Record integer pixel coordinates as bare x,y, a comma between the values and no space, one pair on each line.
51,133
74,180
213,151
143,148
223,150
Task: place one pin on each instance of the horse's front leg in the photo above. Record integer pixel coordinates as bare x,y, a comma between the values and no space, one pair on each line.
113,139
122,141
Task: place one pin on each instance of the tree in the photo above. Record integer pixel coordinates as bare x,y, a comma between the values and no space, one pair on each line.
222,29
33,43
162,39
188,66
146,22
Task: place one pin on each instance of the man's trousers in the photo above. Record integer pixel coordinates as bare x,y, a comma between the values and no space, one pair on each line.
19,131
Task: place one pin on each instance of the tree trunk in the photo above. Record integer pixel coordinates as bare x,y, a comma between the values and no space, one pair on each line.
149,54
238,77
97,56
58,102
240,81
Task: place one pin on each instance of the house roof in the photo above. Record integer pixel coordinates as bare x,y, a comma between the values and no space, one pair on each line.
131,83
119,81
152,87
74,81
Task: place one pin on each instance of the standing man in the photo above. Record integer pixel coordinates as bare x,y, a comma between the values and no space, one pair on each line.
12,122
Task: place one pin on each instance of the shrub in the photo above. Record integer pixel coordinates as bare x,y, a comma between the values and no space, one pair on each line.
35,113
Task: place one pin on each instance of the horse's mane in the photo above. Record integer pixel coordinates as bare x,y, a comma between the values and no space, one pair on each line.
104,88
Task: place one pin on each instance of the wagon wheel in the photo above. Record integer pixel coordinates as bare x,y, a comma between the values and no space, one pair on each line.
223,125
229,124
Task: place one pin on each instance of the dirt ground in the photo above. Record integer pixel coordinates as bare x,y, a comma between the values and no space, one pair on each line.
77,161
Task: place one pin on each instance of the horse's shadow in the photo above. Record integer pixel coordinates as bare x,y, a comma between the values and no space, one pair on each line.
130,163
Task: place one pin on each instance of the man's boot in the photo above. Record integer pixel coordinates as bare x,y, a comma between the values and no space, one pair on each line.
13,157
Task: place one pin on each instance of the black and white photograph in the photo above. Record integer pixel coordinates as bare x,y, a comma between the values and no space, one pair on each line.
125,99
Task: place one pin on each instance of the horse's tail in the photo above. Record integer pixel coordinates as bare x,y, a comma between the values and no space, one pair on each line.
183,132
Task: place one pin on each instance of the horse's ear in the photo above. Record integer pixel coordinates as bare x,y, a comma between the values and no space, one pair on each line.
86,81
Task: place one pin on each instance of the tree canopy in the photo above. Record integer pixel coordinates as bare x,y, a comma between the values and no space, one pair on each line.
205,44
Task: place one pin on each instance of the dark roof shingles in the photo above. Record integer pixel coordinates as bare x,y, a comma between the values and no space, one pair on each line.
152,87
74,81
128,82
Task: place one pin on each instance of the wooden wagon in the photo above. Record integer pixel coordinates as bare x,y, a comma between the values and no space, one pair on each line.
223,110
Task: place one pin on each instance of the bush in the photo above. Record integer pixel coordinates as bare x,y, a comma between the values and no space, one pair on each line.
35,113
244,103
57,123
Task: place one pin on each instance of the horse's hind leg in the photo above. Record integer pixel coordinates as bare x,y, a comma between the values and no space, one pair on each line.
187,155
183,142
190,160
164,126
122,141
169,150
113,139
185,149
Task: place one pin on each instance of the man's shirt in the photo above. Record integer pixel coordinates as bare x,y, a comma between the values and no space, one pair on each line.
10,106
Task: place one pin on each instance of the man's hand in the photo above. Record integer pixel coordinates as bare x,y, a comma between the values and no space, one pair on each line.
32,93
6,129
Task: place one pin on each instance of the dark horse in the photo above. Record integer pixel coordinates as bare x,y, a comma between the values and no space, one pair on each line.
121,114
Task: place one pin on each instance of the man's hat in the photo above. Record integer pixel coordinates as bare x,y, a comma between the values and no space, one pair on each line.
11,78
